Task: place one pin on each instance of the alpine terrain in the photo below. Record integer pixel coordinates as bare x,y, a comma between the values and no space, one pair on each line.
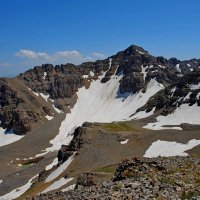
127,127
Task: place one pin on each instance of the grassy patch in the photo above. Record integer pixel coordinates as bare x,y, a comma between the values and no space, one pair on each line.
25,166
34,190
117,187
108,169
120,126
190,194
166,180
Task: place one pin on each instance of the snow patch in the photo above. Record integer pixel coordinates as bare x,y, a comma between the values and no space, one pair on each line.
8,137
198,96
143,114
57,184
195,87
161,66
44,96
85,76
187,96
125,141
60,169
18,191
45,75
151,66
52,100
178,68
140,51
34,92
49,117
91,73
55,162
183,114
165,148
71,187
56,109
172,91
144,72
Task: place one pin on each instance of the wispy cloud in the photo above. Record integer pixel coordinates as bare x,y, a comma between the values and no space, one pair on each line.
5,64
98,55
32,54
58,57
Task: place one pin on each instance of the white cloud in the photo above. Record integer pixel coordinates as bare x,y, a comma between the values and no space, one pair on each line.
32,55
67,54
59,57
56,58
98,55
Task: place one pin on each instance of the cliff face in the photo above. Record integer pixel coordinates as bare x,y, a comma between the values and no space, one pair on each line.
21,108
185,91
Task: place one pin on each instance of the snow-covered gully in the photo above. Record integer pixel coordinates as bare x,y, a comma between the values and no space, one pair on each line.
101,103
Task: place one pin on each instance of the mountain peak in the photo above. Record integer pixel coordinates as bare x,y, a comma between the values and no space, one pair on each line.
136,49
132,50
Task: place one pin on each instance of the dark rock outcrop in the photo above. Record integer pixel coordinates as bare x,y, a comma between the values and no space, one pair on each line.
17,113
68,150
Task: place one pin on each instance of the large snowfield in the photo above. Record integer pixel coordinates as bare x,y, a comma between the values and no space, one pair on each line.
101,102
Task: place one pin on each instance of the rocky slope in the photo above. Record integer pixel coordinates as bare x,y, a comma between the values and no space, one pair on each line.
19,109
162,178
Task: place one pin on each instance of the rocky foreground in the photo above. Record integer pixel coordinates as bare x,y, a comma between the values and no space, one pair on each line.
160,178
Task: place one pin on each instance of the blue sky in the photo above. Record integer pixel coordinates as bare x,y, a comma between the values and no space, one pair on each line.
33,32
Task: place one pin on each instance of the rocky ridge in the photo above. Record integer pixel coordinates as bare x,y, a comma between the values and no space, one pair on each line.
60,84
159,178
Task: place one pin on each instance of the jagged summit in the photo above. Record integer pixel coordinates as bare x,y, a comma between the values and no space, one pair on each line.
133,50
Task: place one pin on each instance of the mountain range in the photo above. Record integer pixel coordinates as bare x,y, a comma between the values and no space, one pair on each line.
57,122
